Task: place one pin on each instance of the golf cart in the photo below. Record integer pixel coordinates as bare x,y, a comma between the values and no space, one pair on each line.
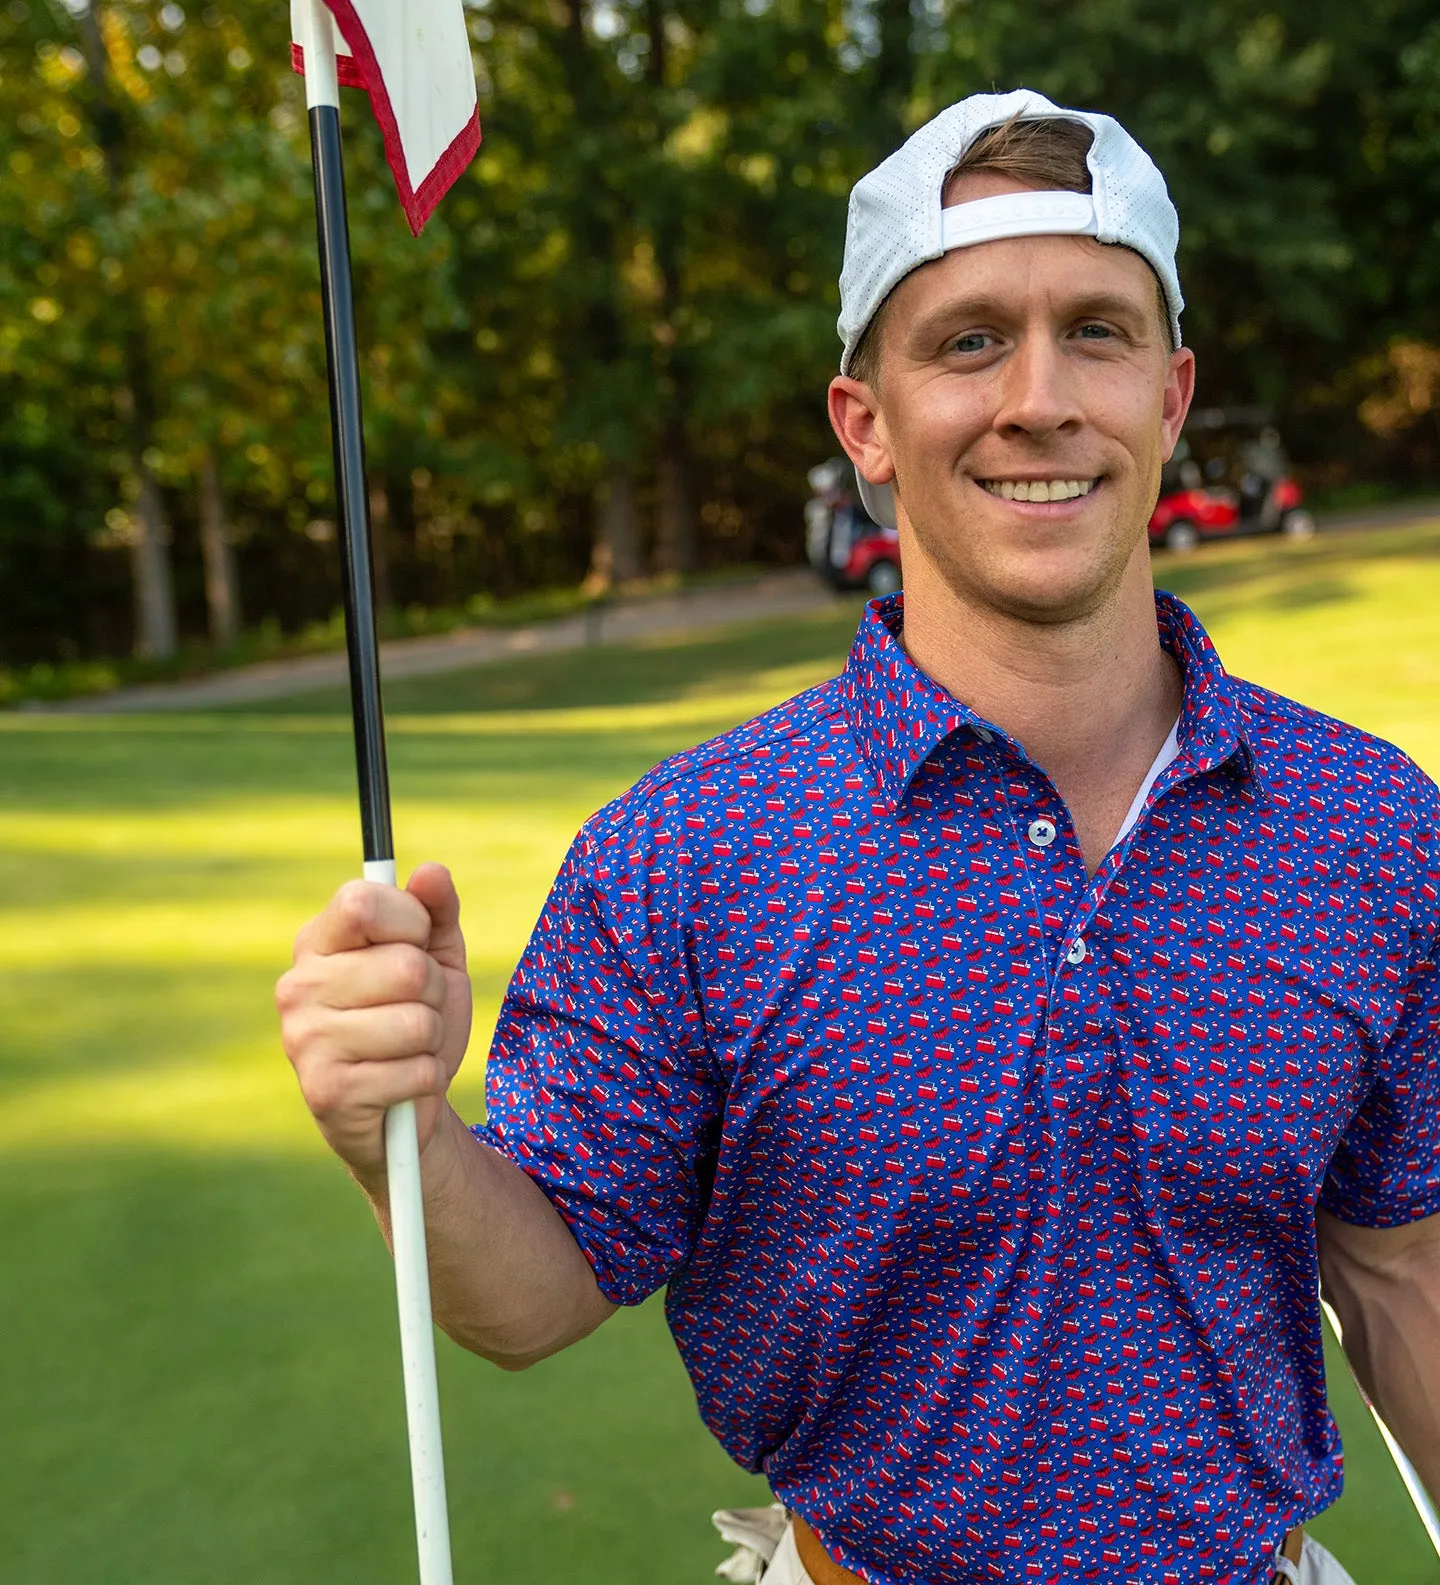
843,542
1229,476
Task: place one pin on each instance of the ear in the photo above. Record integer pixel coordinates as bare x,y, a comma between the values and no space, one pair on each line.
859,426
1179,392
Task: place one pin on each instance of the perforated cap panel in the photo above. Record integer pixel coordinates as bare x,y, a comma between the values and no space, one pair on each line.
894,223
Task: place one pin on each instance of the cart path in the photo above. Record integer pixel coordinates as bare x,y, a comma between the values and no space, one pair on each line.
793,591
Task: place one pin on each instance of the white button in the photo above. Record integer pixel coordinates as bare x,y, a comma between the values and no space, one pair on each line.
984,734
1041,832
1078,951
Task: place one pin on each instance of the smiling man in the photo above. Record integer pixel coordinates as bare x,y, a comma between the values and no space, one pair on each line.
991,1049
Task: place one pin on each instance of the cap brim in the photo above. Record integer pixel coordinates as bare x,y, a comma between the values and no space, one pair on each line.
878,500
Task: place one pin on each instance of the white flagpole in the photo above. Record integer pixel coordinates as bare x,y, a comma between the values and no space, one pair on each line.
402,1151
1409,1478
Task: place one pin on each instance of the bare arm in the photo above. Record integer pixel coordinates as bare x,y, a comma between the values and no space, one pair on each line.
377,1010
1384,1284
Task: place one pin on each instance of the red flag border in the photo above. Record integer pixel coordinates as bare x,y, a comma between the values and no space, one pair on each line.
361,70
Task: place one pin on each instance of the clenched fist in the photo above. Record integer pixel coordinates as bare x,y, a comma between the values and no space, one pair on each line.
376,1010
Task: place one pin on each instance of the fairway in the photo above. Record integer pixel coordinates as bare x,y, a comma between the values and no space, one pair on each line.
199,1378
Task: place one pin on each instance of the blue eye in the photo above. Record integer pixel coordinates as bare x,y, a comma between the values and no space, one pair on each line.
1096,332
975,342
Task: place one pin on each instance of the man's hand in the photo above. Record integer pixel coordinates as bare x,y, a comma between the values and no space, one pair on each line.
376,1010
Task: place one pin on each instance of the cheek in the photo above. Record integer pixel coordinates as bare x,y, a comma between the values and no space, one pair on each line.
940,421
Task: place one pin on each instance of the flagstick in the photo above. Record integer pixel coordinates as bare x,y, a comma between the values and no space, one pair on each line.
402,1150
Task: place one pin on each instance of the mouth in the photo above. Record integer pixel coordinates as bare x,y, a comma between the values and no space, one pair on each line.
1037,490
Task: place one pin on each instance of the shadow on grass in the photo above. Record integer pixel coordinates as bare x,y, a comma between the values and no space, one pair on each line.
1279,575
647,671
200,1382
186,763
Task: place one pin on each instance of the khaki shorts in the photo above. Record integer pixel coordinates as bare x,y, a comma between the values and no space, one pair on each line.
765,1552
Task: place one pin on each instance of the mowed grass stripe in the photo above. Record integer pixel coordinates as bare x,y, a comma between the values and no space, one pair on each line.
199,1375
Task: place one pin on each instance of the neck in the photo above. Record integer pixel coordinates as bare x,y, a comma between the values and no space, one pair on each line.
1091,700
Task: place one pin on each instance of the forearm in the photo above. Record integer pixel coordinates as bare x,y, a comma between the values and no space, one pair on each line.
1390,1317
507,1279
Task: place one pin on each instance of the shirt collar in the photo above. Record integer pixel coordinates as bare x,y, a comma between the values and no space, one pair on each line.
899,715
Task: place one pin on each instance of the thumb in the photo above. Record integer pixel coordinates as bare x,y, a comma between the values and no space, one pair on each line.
431,885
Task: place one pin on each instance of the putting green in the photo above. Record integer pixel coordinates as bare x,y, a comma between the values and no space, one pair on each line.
199,1377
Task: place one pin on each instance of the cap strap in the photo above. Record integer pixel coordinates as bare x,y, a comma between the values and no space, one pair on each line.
1018,215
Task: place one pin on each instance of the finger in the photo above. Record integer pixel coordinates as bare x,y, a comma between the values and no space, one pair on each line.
347,1097
362,914
367,977
343,1036
432,885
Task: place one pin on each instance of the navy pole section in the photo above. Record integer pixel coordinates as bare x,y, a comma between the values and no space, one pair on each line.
402,1152
348,440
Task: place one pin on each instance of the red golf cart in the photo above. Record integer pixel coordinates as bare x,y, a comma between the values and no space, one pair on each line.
1229,476
843,543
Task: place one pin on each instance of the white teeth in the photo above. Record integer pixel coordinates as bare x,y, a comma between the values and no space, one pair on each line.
1038,489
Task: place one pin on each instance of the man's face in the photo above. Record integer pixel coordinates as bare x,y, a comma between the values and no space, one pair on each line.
1027,398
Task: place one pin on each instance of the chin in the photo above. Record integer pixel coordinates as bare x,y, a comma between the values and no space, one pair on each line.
1045,590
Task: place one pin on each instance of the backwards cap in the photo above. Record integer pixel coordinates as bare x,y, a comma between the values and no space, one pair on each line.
896,222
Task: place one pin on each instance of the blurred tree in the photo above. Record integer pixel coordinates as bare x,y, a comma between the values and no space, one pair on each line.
612,342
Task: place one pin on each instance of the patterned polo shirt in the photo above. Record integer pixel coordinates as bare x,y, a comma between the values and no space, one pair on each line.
984,1190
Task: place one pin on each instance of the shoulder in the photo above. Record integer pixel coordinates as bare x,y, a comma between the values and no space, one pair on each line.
1300,747
1349,791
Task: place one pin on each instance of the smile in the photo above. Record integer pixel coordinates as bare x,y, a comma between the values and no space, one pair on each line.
1038,489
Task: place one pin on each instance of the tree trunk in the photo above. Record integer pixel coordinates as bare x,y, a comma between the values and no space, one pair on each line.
615,550
616,557
222,584
894,75
155,627
380,545
155,637
675,503
675,531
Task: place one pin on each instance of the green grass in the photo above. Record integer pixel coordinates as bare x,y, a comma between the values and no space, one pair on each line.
197,1376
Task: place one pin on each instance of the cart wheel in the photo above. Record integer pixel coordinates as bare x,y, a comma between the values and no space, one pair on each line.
1181,535
1297,524
884,578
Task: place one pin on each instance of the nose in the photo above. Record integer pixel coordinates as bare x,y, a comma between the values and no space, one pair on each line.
1037,390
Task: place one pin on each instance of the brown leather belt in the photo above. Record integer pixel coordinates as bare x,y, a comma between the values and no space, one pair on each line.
819,1565
824,1570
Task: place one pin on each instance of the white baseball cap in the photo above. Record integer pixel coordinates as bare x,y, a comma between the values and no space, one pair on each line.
897,222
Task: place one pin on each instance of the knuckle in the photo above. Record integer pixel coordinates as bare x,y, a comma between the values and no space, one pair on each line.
325,1089
355,903
296,1033
423,1026
414,971
292,991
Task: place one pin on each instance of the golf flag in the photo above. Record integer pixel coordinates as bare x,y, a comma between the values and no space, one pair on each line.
413,58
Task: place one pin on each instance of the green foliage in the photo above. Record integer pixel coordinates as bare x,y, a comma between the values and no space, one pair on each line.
642,257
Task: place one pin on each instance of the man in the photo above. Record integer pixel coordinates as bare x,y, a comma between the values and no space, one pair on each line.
992,1047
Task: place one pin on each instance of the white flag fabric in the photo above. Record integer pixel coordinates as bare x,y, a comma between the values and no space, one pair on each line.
413,58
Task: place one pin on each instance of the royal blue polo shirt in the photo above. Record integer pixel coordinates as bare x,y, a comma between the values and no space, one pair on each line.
985,1190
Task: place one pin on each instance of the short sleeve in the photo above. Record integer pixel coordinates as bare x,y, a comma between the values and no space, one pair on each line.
1386,1170
599,1084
